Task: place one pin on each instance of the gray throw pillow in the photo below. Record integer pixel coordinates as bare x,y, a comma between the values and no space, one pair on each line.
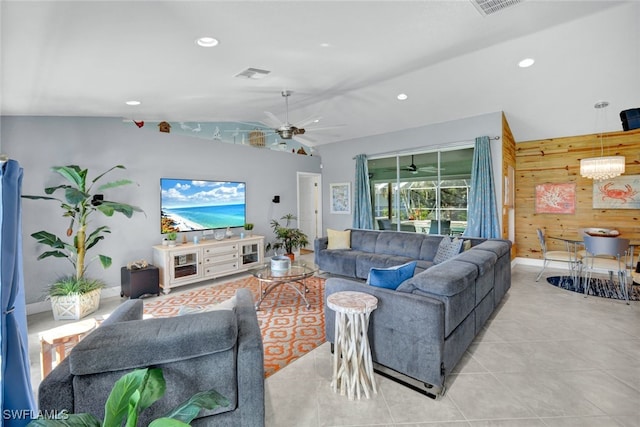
447,249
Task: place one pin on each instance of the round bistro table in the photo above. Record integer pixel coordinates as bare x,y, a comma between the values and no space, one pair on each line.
352,365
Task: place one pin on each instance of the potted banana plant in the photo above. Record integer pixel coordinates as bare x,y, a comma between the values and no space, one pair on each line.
75,295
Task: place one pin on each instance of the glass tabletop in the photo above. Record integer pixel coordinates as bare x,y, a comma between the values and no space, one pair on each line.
298,270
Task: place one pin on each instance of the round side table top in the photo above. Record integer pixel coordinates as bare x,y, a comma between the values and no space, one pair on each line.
352,302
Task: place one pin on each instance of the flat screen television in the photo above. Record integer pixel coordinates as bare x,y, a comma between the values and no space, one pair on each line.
194,205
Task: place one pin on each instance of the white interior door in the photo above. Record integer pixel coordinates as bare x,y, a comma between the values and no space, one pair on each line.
310,206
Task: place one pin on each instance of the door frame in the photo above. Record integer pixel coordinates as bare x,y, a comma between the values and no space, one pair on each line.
302,179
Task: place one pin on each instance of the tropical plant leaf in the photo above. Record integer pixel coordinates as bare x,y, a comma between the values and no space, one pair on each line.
154,388
108,208
190,409
96,236
75,196
167,422
96,179
48,239
72,420
41,198
73,174
51,190
114,184
55,254
105,261
116,408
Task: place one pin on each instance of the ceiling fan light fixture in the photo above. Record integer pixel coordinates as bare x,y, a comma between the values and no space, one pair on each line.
526,63
207,42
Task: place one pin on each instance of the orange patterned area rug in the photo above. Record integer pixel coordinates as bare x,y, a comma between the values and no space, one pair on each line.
289,329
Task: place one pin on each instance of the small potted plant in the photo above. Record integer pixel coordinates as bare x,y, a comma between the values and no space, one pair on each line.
287,237
248,227
172,236
80,200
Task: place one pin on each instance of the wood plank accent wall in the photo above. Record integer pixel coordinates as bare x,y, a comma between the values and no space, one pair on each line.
558,161
508,159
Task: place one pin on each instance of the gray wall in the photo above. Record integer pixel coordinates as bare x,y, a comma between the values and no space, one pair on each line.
338,164
98,144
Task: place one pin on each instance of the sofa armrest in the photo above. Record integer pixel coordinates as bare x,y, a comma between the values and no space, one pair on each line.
55,392
141,343
132,309
250,361
415,315
320,244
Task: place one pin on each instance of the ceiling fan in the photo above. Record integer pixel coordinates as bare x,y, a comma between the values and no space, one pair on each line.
415,169
288,130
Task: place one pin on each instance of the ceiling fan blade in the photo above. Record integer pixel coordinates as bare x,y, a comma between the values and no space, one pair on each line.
305,140
272,120
308,121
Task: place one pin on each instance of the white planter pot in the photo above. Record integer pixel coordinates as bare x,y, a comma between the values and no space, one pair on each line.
75,307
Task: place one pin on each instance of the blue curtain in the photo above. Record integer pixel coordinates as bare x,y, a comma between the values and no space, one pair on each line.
17,403
362,212
483,219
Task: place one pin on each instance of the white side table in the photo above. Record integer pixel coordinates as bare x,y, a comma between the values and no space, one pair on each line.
352,365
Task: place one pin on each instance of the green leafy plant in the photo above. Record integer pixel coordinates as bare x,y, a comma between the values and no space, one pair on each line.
79,203
172,235
248,226
132,394
287,237
69,285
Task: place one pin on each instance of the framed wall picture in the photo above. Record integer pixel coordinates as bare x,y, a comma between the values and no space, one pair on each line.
340,198
622,192
556,198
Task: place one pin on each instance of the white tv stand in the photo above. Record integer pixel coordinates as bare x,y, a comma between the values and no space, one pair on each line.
189,263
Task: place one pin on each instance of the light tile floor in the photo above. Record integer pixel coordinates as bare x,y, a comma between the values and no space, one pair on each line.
547,357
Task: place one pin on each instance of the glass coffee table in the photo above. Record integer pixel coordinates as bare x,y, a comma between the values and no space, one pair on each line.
294,277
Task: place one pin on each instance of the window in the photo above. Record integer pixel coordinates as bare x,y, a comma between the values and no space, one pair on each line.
423,192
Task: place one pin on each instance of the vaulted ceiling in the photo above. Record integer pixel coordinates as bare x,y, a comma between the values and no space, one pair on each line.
345,61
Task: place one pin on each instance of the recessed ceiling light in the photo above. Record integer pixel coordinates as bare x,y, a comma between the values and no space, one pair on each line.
132,102
207,42
527,62
325,45
402,97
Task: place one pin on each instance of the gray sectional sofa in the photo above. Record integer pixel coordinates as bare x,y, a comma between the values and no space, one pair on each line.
219,349
419,332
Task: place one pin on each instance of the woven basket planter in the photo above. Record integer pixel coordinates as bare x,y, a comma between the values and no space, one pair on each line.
76,306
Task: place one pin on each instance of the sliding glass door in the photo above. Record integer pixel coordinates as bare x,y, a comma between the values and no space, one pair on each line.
422,192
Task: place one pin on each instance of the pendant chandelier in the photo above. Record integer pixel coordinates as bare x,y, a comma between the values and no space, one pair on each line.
600,168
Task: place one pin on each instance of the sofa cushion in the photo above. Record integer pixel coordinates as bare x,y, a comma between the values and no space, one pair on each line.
364,240
391,277
498,247
446,279
339,261
402,244
366,261
447,249
339,239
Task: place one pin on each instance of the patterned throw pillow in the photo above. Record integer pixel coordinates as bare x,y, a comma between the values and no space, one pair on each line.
391,277
339,239
448,248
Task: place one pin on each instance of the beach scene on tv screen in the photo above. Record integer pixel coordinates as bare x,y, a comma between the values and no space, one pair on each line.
188,205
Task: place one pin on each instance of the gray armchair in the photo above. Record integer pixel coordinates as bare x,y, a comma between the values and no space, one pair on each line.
216,349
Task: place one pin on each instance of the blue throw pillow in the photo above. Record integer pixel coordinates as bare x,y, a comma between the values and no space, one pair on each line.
391,277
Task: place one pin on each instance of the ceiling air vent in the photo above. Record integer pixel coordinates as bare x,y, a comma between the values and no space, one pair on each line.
253,73
489,7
